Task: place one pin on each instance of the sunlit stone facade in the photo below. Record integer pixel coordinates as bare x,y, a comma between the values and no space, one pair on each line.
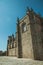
28,42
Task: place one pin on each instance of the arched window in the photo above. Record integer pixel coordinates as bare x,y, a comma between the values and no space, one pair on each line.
23,27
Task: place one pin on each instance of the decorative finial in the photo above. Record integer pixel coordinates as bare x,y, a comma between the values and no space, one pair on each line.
17,20
31,9
28,9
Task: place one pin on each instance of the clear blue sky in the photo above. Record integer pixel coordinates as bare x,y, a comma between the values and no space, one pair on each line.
9,11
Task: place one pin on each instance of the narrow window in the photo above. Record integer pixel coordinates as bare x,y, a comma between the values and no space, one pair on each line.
23,27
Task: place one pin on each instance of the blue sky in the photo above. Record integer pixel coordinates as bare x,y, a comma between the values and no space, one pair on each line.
9,11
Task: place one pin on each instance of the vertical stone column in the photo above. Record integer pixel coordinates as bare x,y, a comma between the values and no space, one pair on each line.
7,47
12,41
19,40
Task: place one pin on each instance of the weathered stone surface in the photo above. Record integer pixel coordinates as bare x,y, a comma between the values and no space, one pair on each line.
15,61
29,38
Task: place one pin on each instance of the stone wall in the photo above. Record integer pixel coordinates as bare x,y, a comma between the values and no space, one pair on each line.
12,52
11,46
26,39
32,38
36,37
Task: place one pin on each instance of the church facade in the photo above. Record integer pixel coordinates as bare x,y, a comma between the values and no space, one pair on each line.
28,42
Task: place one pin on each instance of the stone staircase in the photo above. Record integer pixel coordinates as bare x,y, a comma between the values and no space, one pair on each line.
15,61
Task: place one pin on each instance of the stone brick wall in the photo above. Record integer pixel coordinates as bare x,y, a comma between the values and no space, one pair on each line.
27,50
11,46
12,52
36,38
32,37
